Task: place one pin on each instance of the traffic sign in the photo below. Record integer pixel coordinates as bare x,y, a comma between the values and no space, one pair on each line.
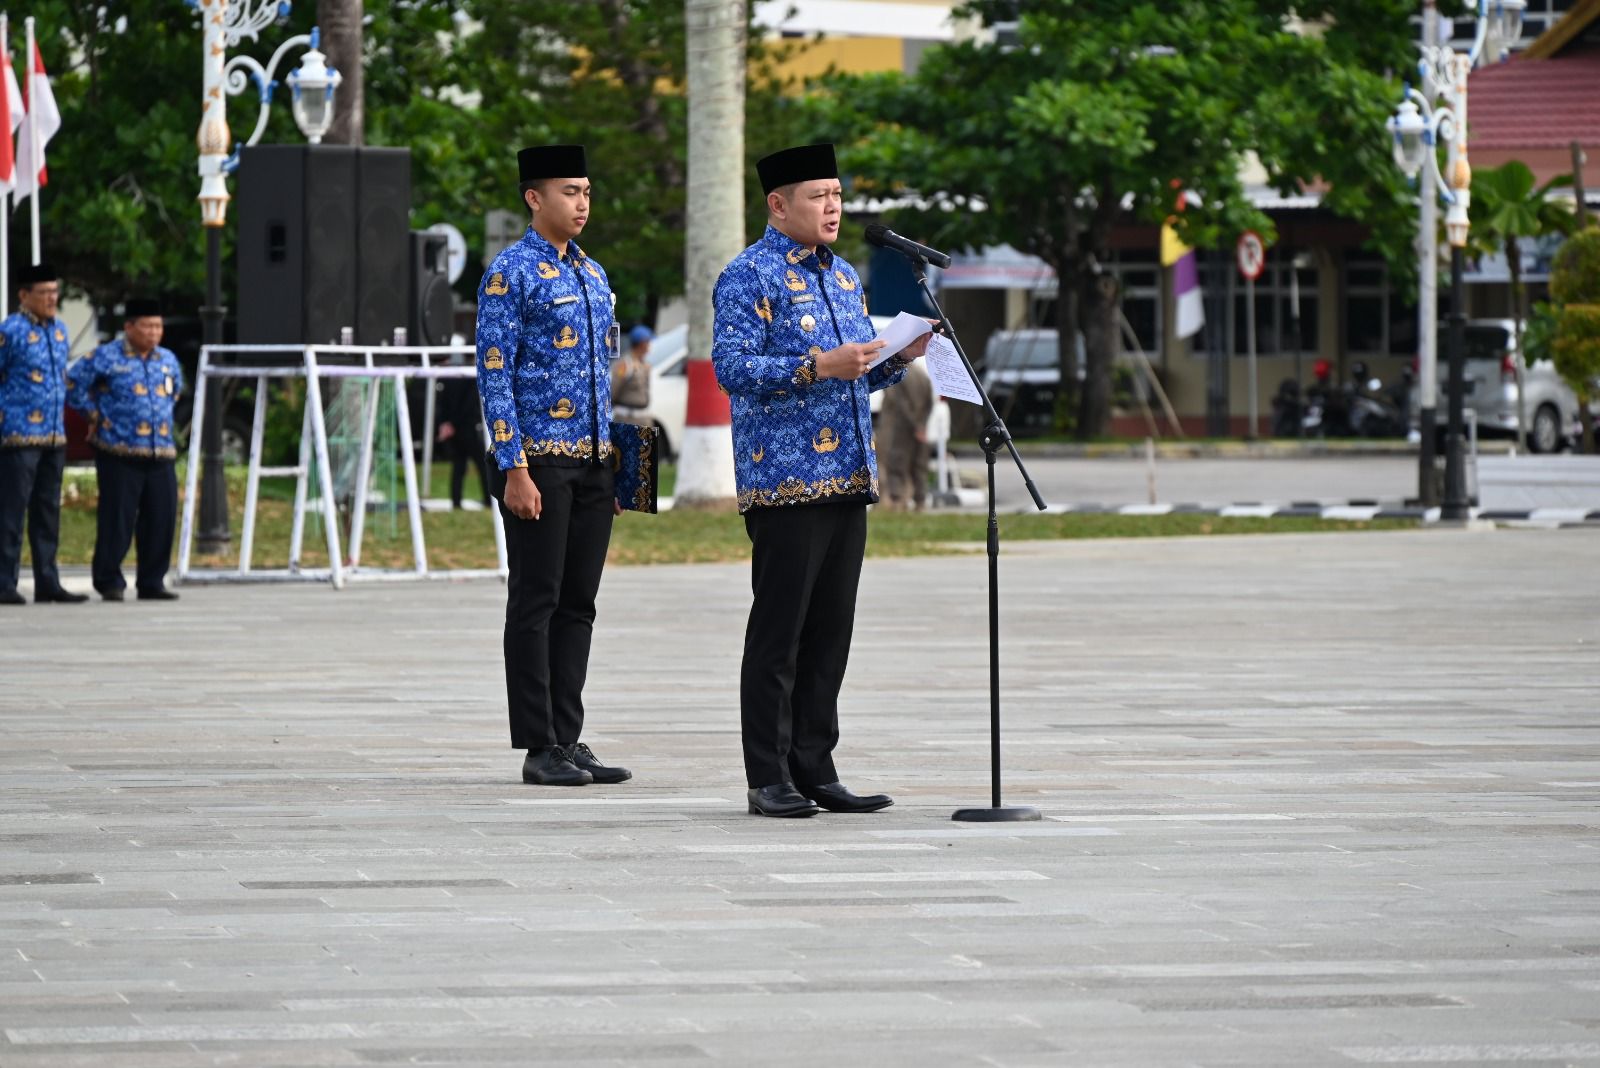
1252,255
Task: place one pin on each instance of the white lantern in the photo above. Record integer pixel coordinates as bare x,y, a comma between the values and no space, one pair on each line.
1410,138
313,87
1505,24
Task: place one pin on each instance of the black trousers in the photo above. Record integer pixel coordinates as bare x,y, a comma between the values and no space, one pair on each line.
804,577
467,448
555,563
139,506
30,492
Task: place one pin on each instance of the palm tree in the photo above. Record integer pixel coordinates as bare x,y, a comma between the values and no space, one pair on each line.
1505,209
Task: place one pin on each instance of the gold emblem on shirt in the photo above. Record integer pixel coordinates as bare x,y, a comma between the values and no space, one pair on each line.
163,429
33,335
492,360
566,339
764,309
501,431
758,454
795,255
825,441
496,286
562,410
589,266
140,390
844,281
808,323
143,429
547,271
59,335
795,283
35,416
36,375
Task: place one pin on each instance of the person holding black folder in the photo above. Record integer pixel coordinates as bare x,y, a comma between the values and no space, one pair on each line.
545,340
796,354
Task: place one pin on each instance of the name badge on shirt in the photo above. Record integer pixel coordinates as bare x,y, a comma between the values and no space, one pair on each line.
803,298
563,300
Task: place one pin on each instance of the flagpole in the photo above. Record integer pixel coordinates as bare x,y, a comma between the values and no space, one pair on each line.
33,141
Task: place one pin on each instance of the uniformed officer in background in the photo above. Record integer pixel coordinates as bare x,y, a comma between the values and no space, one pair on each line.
544,343
792,348
126,389
33,437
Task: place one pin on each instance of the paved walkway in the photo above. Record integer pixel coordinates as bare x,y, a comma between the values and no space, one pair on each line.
1309,800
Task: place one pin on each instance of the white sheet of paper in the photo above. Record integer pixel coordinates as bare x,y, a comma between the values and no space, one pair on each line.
902,330
949,374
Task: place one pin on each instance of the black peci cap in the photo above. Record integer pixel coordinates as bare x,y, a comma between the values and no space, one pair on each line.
33,273
801,164
140,308
552,161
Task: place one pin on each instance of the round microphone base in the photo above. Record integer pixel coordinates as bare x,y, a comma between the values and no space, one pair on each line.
996,814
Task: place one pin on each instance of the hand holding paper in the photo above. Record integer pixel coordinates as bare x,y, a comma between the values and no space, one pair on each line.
902,330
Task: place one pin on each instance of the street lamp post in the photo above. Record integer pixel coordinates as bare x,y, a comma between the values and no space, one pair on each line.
225,23
1418,125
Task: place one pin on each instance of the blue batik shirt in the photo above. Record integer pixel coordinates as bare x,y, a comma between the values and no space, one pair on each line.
128,399
797,439
544,355
33,382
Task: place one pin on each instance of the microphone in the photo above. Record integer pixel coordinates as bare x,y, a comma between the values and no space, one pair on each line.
883,237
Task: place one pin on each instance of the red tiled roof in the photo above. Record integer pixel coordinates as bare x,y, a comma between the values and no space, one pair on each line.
1535,103
1533,109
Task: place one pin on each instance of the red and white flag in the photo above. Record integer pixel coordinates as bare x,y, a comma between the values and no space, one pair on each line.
12,112
42,121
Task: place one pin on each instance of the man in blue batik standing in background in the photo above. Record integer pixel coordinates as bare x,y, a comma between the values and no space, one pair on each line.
33,437
127,389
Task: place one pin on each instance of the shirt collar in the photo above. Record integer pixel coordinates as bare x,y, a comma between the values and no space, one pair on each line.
542,246
34,319
796,253
128,350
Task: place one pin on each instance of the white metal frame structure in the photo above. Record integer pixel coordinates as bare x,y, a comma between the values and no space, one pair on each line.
305,361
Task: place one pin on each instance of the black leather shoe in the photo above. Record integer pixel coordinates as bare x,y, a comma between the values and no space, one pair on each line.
160,593
835,797
781,799
584,758
59,596
110,595
553,766
12,597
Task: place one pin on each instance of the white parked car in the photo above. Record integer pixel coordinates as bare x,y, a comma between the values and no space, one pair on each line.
669,383
1489,388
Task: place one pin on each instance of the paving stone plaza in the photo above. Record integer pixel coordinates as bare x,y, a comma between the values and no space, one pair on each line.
1320,799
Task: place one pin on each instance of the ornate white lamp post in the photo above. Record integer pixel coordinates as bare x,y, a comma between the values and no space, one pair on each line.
225,24
1436,112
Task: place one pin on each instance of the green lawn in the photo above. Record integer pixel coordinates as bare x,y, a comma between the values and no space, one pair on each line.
465,539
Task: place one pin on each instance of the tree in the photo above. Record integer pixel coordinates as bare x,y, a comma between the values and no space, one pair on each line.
1505,209
1082,122
340,22
1575,338
716,83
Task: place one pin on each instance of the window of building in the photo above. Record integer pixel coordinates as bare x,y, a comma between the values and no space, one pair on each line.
1276,326
1378,320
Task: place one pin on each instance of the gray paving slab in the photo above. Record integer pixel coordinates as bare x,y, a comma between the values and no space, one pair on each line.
1324,799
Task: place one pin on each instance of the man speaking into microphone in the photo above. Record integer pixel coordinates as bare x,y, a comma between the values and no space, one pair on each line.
794,350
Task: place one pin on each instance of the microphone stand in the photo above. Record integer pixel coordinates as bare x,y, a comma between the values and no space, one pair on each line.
995,437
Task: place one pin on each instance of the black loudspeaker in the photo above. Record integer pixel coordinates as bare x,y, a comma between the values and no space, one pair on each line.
322,243
432,305
383,243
